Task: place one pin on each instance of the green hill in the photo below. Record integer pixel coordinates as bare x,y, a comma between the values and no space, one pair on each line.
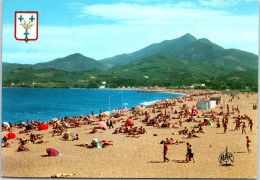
13,66
73,63
157,70
160,66
164,47
189,48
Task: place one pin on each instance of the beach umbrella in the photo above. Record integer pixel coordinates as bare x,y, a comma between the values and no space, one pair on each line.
43,126
96,143
196,111
23,123
11,135
52,152
68,136
93,119
106,114
130,122
5,124
139,108
102,124
207,119
67,125
60,125
209,123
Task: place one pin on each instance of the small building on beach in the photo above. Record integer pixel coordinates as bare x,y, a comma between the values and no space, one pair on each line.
217,99
203,105
206,104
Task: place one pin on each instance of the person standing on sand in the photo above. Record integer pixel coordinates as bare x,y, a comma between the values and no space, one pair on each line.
251,124
187,154
191,155
248,141
244,128
225,127
111,124
165,149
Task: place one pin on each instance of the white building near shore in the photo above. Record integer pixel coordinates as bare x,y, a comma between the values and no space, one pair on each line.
206,104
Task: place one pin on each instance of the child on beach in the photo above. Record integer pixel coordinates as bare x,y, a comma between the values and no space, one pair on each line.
248,141
77,137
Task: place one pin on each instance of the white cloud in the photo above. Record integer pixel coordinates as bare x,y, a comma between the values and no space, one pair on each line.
125,13
219,3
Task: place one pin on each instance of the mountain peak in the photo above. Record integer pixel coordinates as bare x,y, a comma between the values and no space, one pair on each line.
188,36
75,55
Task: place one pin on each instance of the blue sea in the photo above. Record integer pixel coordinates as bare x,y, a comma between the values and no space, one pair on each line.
22,104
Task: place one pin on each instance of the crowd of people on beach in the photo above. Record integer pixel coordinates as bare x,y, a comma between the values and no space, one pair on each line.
164,116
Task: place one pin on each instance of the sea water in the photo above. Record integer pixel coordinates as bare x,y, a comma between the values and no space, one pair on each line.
22,104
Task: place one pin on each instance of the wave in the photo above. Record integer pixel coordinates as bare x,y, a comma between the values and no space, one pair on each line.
149,102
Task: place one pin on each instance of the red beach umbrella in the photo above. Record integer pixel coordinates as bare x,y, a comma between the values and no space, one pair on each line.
43,127
11,135
196,111
130,122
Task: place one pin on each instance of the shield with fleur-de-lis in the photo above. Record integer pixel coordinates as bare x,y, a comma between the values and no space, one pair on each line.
26,26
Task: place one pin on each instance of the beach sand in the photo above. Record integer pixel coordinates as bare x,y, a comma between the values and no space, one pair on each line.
141,157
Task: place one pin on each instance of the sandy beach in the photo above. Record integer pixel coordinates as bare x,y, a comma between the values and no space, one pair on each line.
142,157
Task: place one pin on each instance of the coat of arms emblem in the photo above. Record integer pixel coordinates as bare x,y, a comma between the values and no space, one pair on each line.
26,26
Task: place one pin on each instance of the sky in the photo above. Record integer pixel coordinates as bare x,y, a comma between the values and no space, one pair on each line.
104,28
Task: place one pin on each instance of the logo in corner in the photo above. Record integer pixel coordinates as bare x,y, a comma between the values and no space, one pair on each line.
26,26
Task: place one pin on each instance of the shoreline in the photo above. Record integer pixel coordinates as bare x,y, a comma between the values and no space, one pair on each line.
104,110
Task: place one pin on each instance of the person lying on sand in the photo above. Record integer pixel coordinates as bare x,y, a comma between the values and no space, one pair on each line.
23,131
40,142
84,145
22,148
6,143
94,130
106,143
192,135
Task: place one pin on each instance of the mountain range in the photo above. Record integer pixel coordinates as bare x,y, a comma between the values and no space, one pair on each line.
182,61
192,49
185,47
